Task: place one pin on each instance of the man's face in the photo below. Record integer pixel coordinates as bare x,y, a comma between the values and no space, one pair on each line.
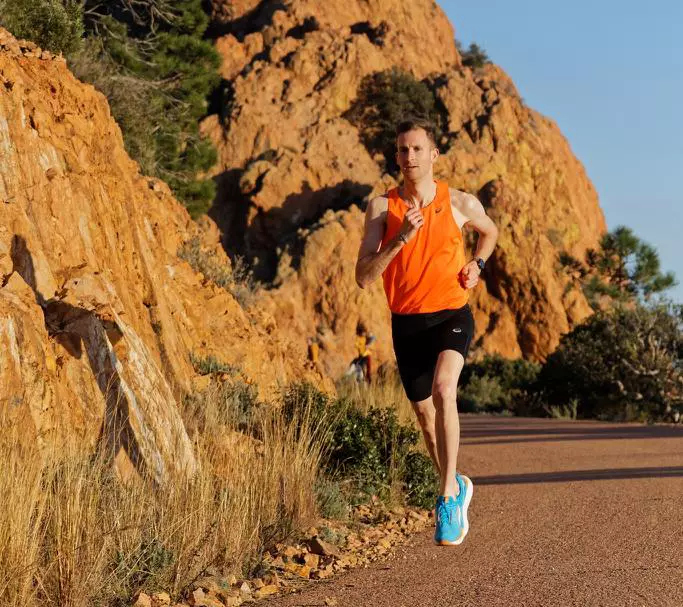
415,154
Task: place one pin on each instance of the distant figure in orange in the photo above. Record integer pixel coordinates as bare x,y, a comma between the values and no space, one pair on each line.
363,358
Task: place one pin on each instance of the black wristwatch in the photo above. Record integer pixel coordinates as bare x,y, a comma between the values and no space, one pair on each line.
481,263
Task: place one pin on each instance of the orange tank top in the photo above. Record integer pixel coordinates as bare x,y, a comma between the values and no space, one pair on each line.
424,275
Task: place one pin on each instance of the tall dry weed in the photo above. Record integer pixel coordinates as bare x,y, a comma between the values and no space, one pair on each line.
381,393
73,534
22,510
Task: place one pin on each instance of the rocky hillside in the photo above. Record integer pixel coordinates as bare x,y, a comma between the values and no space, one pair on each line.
99,316
293,171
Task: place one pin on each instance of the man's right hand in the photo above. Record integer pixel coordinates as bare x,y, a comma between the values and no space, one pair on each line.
412,222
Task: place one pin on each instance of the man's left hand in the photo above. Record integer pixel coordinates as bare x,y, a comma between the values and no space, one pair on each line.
469,275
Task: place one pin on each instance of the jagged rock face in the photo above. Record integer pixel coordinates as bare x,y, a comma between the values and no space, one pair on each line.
98,315
523,171
288,154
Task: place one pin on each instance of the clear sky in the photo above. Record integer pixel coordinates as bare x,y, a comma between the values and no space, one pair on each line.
610,73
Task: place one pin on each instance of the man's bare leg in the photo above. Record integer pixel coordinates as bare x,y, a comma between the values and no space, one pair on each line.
444,393
426,417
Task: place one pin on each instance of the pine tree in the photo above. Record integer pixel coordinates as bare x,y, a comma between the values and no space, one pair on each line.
622,269
150,59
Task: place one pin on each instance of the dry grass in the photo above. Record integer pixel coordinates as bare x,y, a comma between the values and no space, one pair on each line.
236,278
72,534
386,392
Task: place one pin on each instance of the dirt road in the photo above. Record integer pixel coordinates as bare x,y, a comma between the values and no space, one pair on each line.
563,514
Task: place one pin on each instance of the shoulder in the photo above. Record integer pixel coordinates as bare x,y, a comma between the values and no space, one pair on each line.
464,202
378,205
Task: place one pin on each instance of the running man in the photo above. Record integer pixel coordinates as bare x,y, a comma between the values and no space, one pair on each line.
413,239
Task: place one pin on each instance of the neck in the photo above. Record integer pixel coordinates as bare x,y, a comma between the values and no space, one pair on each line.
421,192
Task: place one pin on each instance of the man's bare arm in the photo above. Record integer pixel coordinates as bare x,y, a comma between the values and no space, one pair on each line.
474,215
373,259
483,224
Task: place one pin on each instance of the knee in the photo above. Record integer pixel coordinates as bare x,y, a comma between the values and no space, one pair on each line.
425,418
445,394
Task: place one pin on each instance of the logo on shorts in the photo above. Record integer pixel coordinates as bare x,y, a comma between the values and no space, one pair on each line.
457,330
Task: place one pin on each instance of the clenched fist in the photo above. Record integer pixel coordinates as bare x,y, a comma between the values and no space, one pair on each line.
412,222
469,275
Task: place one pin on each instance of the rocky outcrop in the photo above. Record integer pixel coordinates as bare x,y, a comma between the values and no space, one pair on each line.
292,69
98,314
289,158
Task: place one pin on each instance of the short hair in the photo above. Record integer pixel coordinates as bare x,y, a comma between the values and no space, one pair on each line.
410,123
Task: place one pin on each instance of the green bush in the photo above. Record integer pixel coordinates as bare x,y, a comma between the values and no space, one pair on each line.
54,25
331,499
384,100
233,402
481,393
152,62
366,451
210,364
420,480
623,364
474,57
147,567
497,384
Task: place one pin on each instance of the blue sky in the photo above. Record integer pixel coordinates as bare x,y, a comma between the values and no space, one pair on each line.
611,75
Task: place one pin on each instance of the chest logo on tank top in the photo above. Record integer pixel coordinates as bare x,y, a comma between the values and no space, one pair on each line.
437,210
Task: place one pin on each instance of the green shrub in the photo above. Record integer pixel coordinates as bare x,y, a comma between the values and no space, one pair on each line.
331,499
368,452
497,384
568,411
54,25
365,446
152,62
238,279
474,57
384,100
233,402
623,364
421,480
147,567
481,393
210,364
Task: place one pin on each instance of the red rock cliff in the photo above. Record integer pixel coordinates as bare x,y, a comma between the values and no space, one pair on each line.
98,315
288,155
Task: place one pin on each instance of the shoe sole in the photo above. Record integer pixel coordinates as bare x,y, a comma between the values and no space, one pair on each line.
469,490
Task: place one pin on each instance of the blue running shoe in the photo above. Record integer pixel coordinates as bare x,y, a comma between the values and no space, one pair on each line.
448,522
451,515
464,498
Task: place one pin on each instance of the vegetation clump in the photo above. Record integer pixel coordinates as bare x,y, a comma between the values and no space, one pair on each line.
54,25
384,100
236,278
151,60
622,270
621,364
474,56
369,452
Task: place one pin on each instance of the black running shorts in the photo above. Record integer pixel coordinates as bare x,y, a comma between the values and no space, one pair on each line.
420,338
